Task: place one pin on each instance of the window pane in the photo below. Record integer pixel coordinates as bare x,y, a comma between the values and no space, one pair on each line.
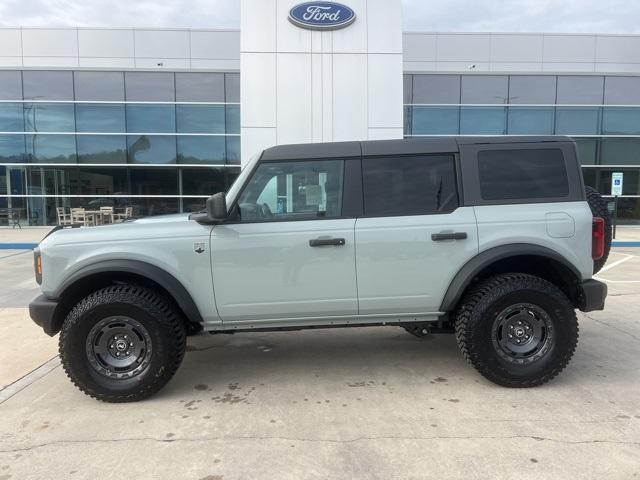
99,86
407,89
51,148
151,149
56,85
587,150
436,89
10,85
620,151
11,117
622,90
102,181
142,207
435,120
151,118
202,181
200,87
49,117
200,149
621,121
531,120
233,119
532,89
483,121
102,149
232,87
580,89
12,149
509,174
154,181
200,118
409,185
100,118
293,191
233,150
577,120
630,186
149,87
484,89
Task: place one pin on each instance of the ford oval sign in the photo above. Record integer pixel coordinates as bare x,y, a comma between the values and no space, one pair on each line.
321,15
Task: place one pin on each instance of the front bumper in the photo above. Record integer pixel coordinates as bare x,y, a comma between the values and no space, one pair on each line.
592,295
42,310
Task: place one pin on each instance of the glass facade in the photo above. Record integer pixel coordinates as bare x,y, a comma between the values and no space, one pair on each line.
602,114
161,142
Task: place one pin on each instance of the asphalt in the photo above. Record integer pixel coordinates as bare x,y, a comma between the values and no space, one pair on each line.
372,403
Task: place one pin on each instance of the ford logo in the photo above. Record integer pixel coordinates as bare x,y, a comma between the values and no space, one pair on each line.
321,15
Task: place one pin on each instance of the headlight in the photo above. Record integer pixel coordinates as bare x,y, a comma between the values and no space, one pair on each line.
37,265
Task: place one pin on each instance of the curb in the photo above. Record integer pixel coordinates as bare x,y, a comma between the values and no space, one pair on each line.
624,243
18,246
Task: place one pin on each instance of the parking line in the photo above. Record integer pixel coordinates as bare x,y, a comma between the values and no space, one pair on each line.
616,263
10,390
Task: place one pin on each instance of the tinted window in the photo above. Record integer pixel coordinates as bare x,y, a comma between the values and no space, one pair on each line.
47,85
200,118
509,174
201,149
150,87
10,85
232,87
409,185
484,89
151,149
100,118
146,118
49,117
200,87
101,149
293,191
532,89
436,89
102,86
580,89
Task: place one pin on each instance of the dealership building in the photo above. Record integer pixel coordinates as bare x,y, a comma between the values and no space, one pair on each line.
159,119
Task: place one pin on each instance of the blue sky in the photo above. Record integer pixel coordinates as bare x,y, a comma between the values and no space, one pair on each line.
573,16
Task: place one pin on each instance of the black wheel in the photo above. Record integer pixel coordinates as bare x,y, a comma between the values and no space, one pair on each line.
517,330
599,208
122,343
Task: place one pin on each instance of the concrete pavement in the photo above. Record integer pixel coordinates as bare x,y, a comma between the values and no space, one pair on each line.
348,403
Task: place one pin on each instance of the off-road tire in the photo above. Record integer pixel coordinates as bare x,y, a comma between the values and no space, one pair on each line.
599,208
166,333
483,305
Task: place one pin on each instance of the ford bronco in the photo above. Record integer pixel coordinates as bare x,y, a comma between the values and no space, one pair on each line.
493,239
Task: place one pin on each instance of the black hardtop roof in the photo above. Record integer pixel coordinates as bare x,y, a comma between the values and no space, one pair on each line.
405,146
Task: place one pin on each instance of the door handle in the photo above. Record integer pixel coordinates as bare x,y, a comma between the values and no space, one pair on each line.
438,237
323,242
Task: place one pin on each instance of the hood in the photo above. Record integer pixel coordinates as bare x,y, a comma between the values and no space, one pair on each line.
161,226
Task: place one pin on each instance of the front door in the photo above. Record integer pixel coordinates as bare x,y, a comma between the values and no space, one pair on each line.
287,252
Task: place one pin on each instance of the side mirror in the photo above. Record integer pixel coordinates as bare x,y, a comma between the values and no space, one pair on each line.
217,207
215,212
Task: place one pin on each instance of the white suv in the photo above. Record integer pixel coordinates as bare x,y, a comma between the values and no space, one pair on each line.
492,239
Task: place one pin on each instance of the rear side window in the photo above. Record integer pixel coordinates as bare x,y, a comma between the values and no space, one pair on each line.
521,173
420,185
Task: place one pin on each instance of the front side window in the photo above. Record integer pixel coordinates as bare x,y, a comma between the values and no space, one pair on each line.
420,185
287,191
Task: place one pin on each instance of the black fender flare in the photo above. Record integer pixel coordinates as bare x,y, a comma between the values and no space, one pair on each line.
143,269
478,263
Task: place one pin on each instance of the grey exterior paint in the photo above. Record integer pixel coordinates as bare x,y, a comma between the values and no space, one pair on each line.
211,49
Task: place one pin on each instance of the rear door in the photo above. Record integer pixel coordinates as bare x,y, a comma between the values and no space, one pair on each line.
414,236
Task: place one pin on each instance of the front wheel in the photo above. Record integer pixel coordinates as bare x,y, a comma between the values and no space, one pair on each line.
517,330
122,343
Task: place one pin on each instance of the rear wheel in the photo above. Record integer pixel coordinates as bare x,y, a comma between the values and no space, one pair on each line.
122,343
517,330
599,208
